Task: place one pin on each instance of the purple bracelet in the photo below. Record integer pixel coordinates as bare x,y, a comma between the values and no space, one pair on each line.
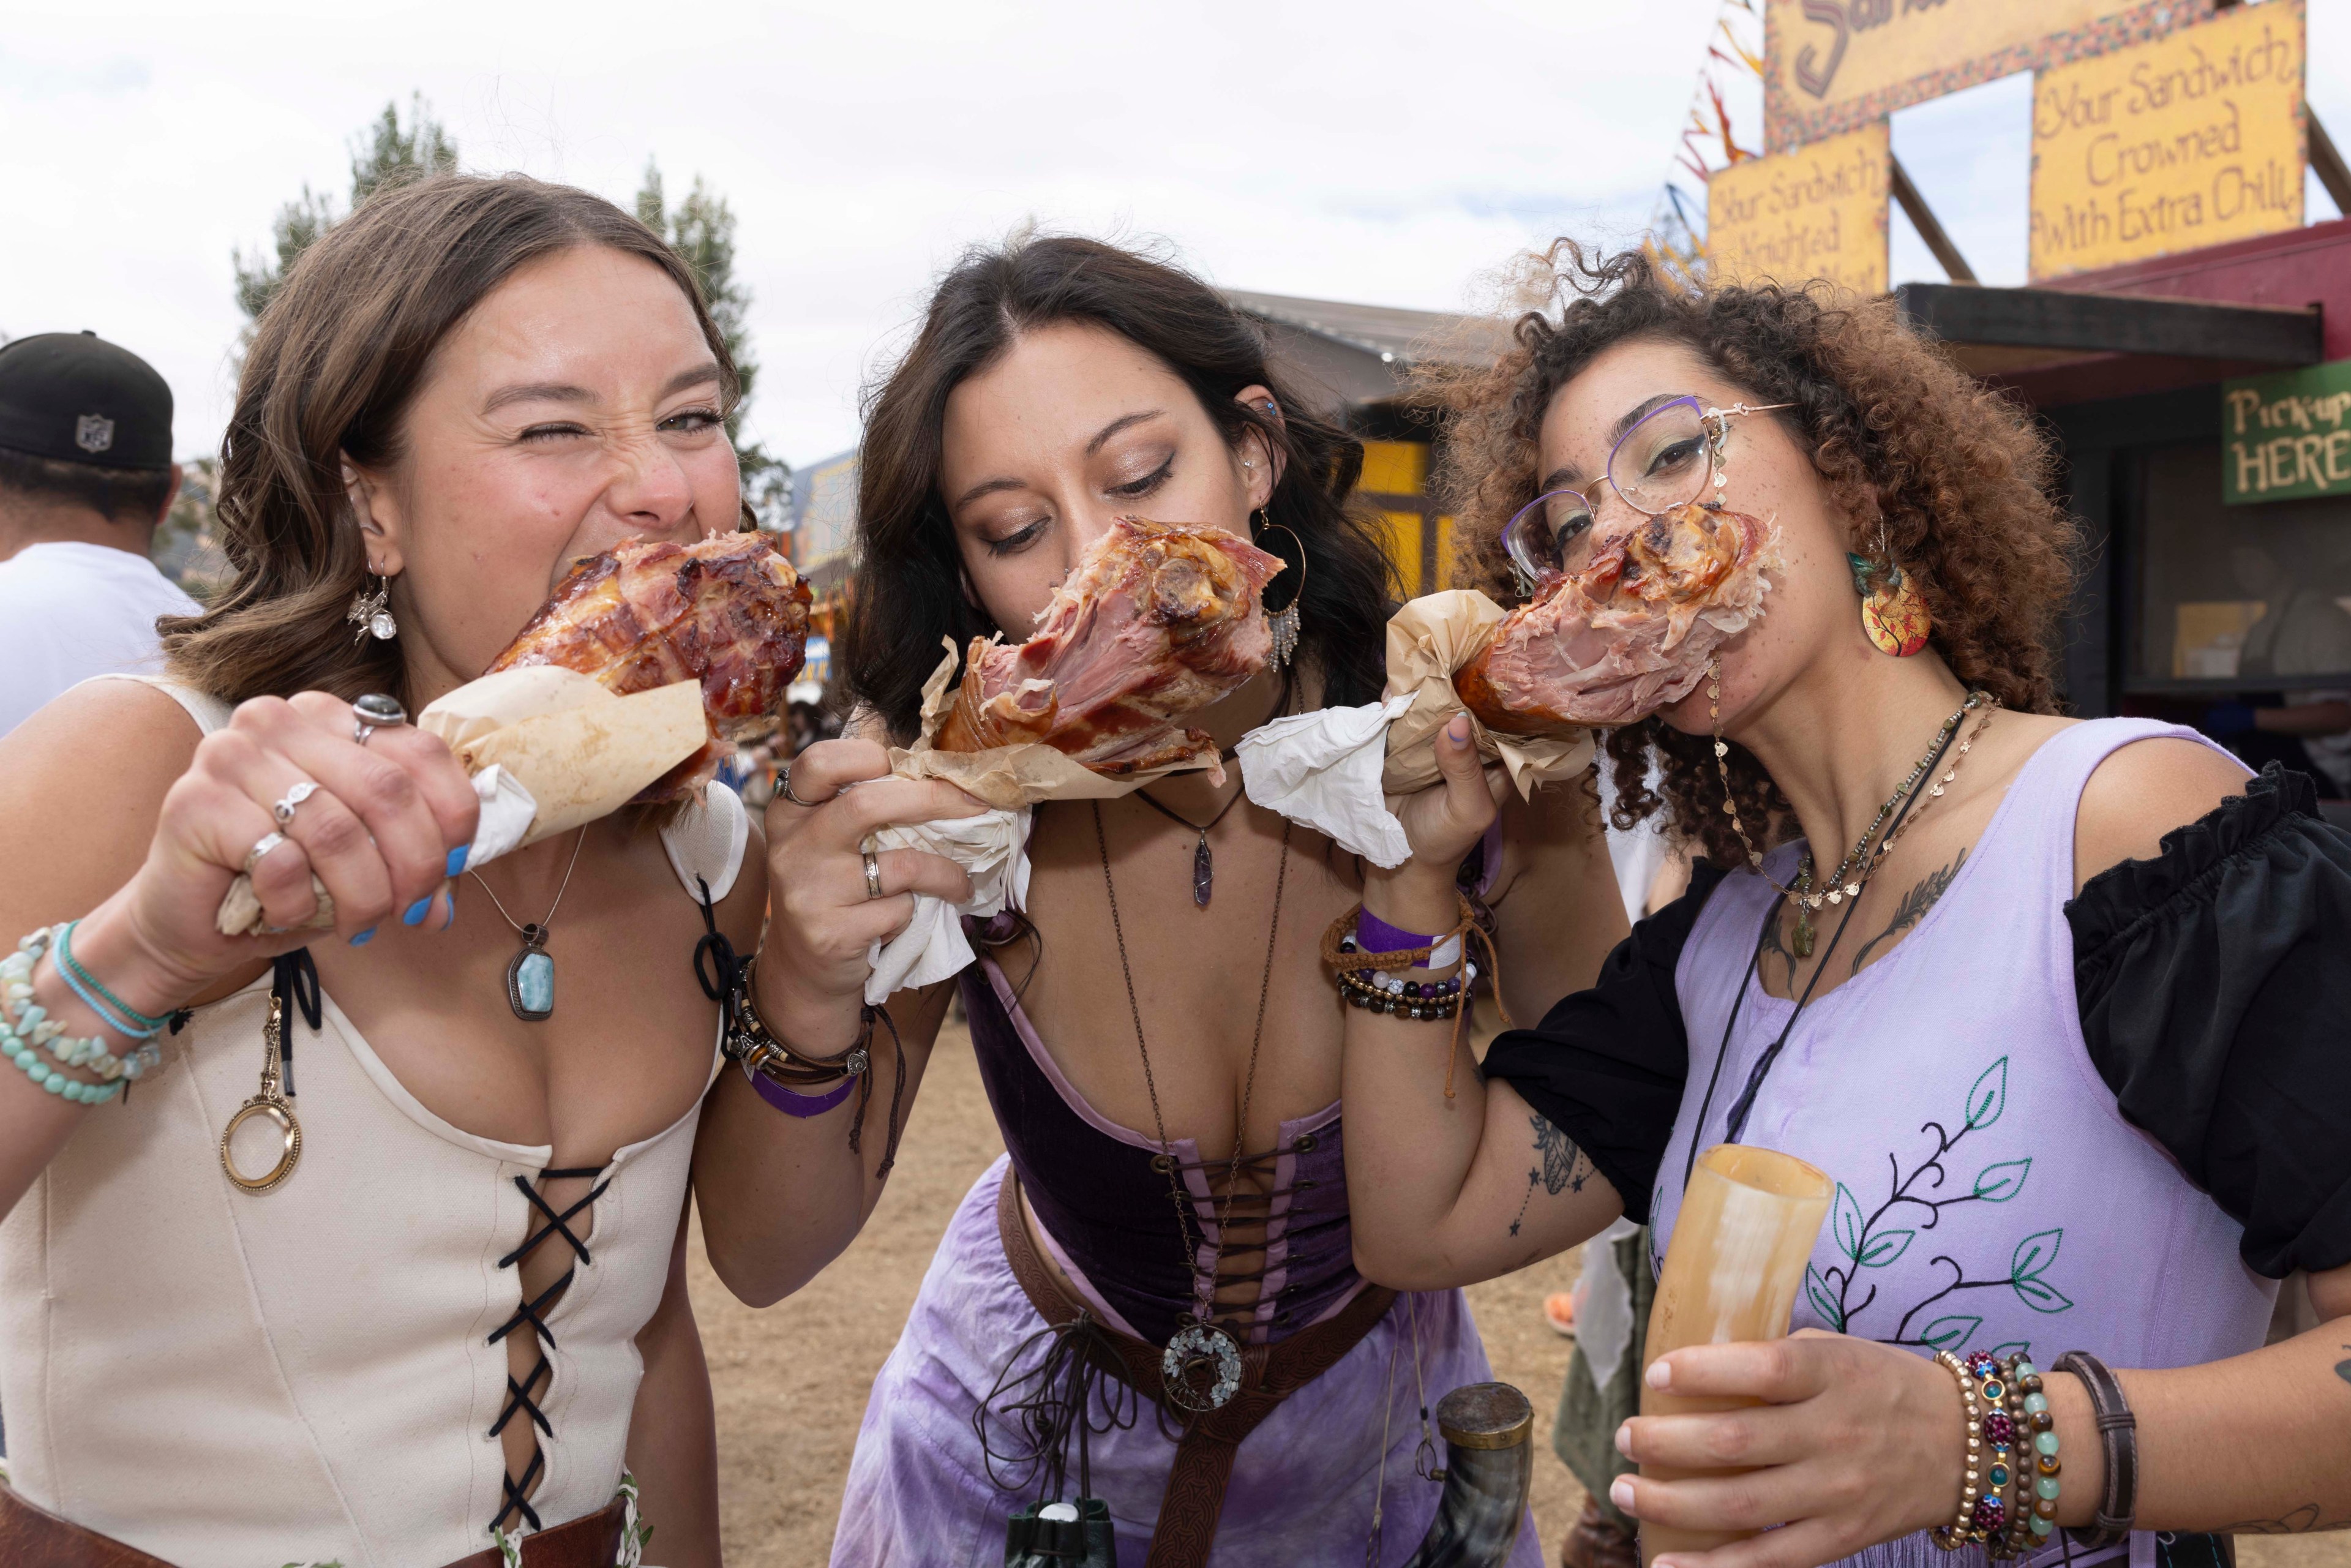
1373,935
792,1104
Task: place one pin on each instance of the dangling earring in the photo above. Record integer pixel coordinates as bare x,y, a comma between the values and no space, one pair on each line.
1283,622
1892,613
369,614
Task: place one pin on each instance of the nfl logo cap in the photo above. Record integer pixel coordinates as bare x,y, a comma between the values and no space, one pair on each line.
73,397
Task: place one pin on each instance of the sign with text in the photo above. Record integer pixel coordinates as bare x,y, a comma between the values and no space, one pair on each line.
1833,65
1818,212
2170,146
2286,436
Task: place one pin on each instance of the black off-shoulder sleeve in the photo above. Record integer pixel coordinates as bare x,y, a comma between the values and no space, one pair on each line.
1606,1066
2215,987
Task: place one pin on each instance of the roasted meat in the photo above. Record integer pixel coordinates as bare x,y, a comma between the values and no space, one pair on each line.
1158,620
728,612
1630,632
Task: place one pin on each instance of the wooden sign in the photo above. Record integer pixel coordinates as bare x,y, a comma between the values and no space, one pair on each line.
2286,436
2170,146
1818,212
1832,66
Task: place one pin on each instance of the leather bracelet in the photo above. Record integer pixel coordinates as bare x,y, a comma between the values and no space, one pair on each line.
2118,1437
749,1042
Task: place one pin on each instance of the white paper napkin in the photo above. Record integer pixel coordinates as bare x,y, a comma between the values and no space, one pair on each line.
993,848
1323,768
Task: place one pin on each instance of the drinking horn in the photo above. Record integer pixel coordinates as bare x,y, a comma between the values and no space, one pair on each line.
1490,1462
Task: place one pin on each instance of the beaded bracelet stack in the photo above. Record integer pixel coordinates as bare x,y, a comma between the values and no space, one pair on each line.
2007,1506
1389,992
25,1027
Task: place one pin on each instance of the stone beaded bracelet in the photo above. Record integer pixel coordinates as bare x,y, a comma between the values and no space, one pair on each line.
26,1029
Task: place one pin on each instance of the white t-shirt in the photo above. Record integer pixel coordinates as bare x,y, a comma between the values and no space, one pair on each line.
68,612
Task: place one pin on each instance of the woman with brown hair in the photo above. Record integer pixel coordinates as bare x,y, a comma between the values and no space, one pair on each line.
1155,1040
2064,1023
377,1265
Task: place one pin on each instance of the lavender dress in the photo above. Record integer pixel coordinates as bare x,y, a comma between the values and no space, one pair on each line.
1990,1192
1308,1485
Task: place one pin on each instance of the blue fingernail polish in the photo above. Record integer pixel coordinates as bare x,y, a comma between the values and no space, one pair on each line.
364,937
457,858
415,914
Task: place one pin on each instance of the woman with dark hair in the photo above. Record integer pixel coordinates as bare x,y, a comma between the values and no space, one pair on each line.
2063,1024
376,1266
1153,1031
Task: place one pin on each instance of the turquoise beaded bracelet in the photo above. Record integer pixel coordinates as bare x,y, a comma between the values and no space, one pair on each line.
26,1029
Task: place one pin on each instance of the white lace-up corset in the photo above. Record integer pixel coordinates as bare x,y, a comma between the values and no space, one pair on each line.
319,1372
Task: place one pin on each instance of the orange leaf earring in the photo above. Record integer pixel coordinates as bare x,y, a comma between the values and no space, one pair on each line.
1891,611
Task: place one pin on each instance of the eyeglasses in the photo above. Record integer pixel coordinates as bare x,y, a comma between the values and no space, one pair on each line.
1663,462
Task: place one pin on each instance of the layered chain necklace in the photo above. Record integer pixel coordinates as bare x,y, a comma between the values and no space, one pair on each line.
1868,851
1201,1367
1204,860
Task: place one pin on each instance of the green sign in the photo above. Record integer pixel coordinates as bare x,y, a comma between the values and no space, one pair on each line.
2287,435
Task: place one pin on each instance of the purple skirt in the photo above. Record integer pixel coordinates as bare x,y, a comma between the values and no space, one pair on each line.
1305,1484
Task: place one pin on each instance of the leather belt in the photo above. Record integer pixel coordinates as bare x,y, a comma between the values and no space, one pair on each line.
1194,1498
32,1537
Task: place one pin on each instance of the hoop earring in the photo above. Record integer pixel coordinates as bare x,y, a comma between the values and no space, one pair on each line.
371,612
1283,622
1892,613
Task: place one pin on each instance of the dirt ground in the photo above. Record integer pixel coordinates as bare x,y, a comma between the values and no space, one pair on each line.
791,1381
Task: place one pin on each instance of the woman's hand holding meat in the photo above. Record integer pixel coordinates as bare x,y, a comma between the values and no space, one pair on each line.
375,822
824,918
1443,823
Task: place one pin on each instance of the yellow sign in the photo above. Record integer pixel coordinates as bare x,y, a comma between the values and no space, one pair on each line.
2170,146
1834,65
1818,212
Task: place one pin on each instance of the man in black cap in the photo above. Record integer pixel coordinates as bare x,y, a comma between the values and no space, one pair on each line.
85,474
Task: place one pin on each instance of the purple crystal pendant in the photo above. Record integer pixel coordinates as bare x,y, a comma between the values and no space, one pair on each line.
1204,873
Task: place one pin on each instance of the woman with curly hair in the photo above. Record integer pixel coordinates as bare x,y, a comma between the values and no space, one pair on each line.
2059,1023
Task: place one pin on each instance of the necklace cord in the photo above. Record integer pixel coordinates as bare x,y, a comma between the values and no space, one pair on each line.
1248,1084
523,931
1735,1121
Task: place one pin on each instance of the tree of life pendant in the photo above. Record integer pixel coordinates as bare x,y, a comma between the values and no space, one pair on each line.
530,977
1201,1370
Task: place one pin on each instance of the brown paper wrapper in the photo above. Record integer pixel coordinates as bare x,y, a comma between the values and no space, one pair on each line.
582,753
1428,640
1011,777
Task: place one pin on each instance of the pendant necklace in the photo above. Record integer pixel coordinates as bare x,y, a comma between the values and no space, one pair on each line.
1204,861
1200,1369
530,977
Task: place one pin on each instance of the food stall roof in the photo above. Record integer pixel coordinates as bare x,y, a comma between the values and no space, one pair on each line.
1361,355
2255,305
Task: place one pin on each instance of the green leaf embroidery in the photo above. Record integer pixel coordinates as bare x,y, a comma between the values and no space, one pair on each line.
1884,1247
1824,1300
1950,1333
1849,1222
2034,1253
2022,1347
1988,1097
2040,1297
1998,1184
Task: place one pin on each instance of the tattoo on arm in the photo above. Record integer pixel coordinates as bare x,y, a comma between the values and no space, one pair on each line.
1913,907
2309,1518
1564,1168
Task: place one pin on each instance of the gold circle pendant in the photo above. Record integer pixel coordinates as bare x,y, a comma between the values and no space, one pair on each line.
289,1133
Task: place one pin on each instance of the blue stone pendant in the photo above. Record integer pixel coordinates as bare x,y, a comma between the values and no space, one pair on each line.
531,978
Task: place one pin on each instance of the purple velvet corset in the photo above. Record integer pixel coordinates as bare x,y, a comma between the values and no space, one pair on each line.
1104,1205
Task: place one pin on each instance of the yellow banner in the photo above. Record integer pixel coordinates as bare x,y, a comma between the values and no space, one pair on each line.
1818,212
2170,146
1834,65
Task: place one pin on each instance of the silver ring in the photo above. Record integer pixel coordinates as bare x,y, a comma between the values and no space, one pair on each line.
873,874
284,810
261,846
373,712
784,787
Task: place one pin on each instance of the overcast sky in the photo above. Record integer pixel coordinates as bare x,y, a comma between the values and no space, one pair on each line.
1364,151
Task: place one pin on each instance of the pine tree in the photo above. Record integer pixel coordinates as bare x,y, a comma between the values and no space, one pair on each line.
701,229
385,153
